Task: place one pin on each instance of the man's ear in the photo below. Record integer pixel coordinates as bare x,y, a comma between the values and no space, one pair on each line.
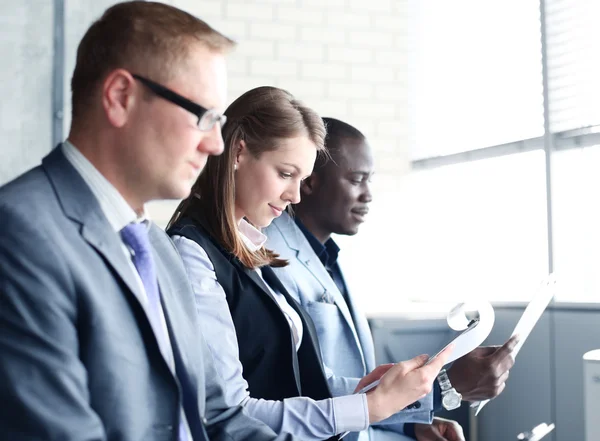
118,97
310,184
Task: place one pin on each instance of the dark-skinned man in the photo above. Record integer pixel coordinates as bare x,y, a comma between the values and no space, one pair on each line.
335,200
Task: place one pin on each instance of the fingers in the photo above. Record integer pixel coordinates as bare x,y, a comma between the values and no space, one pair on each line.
450,429
438,363
374,375
506,349
414,363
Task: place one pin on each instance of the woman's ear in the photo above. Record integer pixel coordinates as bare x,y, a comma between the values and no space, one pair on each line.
240,151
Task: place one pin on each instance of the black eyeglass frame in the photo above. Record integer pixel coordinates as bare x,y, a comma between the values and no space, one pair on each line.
209,116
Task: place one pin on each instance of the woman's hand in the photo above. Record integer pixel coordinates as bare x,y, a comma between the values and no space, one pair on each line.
402,384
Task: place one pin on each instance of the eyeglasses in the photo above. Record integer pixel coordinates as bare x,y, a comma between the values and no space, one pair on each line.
207,118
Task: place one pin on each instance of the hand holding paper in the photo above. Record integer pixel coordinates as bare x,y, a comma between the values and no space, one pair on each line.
483,372
528,320
403,384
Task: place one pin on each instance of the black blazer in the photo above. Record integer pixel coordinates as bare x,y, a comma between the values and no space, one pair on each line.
271,365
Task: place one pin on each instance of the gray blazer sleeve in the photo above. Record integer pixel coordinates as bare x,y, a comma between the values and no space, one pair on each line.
42,381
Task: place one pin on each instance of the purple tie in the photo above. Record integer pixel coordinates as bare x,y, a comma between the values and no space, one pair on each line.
135,236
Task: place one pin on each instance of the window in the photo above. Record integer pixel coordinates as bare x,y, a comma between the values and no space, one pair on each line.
573,69
576,216
466,231
476,78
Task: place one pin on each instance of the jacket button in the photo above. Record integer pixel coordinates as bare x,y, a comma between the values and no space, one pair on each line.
204,421
417,405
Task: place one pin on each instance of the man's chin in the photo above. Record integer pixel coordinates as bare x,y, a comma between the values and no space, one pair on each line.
349,230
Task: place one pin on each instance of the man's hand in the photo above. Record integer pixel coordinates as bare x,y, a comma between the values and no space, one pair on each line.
482,373
439,430
403,384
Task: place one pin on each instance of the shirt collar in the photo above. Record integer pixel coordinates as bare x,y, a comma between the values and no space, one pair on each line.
327,253
251,236
117,211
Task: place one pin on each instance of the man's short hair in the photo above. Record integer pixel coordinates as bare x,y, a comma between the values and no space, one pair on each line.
337,132
149,38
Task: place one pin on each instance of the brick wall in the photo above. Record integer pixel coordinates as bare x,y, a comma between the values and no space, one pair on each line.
344,58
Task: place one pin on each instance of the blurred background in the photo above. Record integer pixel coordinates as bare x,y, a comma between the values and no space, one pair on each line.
484,117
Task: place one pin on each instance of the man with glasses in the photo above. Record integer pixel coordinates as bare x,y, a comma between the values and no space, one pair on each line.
98,339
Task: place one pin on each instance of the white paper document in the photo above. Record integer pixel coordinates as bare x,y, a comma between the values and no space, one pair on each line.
527,322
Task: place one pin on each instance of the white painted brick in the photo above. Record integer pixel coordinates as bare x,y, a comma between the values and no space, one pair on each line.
306,90
263,49
348,20
367,127
237,64
392,128
373,5
240,84
349,55
334,71
273,31
401,41
322,3
236,29
333,108
346,90
374,110
287,14
323,35
391,92
395,23
391,58
371,39
372,74
394,161
274,68
277,2
249,10
301,51
205,10
382,146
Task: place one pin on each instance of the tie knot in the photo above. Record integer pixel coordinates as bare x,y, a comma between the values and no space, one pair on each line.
135,235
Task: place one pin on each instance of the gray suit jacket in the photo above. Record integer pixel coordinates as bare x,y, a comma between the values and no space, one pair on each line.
78,358
343,332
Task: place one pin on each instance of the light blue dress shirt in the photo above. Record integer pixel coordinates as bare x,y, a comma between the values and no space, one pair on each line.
303,417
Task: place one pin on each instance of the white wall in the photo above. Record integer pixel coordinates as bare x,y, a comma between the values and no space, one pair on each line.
345,58
25,84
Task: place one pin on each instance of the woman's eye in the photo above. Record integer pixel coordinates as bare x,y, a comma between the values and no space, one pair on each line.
285,175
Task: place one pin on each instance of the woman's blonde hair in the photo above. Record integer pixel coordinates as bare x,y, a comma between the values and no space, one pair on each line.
261,118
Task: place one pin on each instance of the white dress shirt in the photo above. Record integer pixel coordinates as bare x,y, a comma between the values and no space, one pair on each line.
119,214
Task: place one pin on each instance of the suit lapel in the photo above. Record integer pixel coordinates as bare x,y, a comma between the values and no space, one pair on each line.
363,332
307,322
306,256
179,324
80,205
